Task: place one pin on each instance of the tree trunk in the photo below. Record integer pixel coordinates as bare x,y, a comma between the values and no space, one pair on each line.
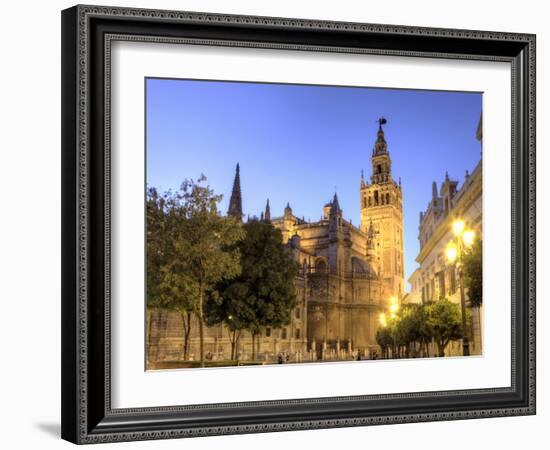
253,346
233,338
201,325
186,319
150,324
441,349
237,339
476,328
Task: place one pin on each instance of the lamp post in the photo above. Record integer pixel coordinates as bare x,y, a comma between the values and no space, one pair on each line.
384,346
391,315
394,306
463,238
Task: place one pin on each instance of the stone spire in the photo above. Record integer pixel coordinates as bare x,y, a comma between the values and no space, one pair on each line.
235,203
380,146
335,205
288,210
267,214
380,160
362,179
479,133
434,189
479,130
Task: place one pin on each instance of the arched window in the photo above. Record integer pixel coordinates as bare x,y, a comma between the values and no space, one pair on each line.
320,265
387,199
375,198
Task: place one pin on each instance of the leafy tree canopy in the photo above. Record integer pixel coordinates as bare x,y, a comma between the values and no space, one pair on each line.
444,322
411,325
473,273
264,293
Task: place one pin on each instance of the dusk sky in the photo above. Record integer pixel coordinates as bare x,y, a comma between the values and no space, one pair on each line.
300,144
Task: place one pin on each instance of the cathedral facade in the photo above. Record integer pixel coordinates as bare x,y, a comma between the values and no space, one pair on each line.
347,275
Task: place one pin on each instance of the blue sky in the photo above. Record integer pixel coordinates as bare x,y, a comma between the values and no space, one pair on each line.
300,144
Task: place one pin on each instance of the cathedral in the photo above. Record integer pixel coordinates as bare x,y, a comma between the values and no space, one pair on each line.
347,275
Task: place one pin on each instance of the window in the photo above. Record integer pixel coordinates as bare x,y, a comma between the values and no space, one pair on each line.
298,313
452,281
283,333
370,202
441,276
387,199
297,333
375,198
267,332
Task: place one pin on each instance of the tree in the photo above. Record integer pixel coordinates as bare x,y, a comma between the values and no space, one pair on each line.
473,273
156,251
204,243
232,309
168,285
384,339
199,250
264,293
411,326
156,254
444,323
473,282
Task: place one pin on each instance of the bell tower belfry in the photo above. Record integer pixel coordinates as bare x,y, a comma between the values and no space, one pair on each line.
382,215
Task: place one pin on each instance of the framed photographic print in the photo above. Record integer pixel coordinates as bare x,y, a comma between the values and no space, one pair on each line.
280,224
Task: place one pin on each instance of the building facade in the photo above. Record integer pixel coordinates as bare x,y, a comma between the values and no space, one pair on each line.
347,274
435,278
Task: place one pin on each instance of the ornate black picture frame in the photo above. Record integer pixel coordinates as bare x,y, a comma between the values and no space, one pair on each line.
87,415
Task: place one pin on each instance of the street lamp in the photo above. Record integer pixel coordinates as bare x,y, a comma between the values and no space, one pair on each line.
464,238
458,227
394,306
